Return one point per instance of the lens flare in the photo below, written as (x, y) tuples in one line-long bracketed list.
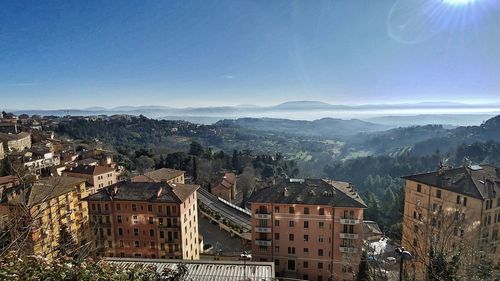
[(458, 2)]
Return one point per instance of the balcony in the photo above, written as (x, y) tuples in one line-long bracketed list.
[(263, 242), (262, 216), (263, 229), (349, 236), (350, 250), (349, 221)]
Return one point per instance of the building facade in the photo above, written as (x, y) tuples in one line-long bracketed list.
[(452, 210), (45, 207), (16, 142), (312, 229), (144, 219), (225, 187), (98, 176), (164, 175)]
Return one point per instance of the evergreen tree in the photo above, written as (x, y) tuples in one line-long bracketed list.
[(363, 271), (196, 149), (195, 169)]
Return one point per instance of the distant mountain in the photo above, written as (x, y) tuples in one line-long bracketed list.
[(431, 119), (326, 127), (305, 105)]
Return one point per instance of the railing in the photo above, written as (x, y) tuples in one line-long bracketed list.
[(349, 236), (263, 242), (349, 221), (263, 229), (351, 250)]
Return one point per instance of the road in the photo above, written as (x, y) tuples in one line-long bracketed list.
[(235, 216)]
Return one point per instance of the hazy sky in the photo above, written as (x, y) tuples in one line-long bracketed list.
[(62, 54)]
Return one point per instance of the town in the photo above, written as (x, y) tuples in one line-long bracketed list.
[(64, 198)]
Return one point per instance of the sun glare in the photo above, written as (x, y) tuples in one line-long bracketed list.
[(458, 2)]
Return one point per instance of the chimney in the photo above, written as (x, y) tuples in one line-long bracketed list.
[(160, 191)]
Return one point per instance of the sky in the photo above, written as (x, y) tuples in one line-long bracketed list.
[(77, 54)]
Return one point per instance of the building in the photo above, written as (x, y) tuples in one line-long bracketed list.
[(165, 175), (225, 187), (2, 152), (16, 142), (97, 176), (204, 270), (146, 219), (312, 229), (6, 183), (43, 207), (454, 210)]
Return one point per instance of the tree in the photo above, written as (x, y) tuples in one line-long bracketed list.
[(363, 271), (144, 163), (67, 244), (195, 169), (196, 149)]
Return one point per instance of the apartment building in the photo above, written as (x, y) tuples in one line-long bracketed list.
[(164, 175), (312, 229), (145, 219), (42, 208), (457, 210), (98, 176)]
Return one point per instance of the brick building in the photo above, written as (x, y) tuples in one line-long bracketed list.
[(144, 219), (225, 187), (312, 229), (97, 176)]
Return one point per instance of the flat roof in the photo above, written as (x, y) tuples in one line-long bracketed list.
[(205, 269)]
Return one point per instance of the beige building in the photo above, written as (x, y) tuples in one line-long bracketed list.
[(2, 153), (312, 229), (16, 142), (165, 175), (225, 187), (454, 210), (97, 176), (146, 219), (44, 207)]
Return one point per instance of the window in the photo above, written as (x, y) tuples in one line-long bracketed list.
[(306, 224), (291, 265), (120, 231), (121, 243), (151, 233), (465, 201), (321, 225), (291, 210), (291, 223), (276, 209), (305, 264), (136, 232), (136, 243), (306, 210), (306, 251), (306, 237), (277, 249), (134, 207), (321, 211), (150, 220), (320, 265), (150, 208), (276, 236), (276, 223), (118, 207), (134, 219), (438, 193), (419, 188), (119, 219), (291, 237), (291, 250), (459, 200), (320, 239), (162, 234), (320, 252)]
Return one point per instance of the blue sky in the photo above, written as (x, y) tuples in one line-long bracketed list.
[(75, 54)]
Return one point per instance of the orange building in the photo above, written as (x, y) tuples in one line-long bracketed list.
[(312, 229), (97, 176), (144, 219), (225, 187)]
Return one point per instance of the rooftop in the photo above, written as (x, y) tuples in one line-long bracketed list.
[(90, 170), (480, 182), (311, 192), (164, 174), (145, 191), (13, 137), (205, 270), (227, 180)]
